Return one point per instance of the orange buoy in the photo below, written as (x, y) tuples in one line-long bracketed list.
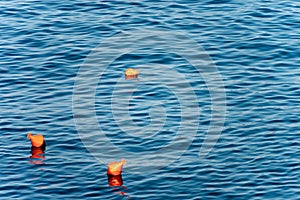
[(131, 73), (36, 140), (115, 168)]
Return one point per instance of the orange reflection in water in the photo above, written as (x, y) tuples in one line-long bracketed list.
[(37, 155), (115, 181), (131, 77)]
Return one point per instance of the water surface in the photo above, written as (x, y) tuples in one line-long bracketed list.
[(254, 44)]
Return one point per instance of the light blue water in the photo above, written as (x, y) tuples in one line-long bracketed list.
[(253, 44)]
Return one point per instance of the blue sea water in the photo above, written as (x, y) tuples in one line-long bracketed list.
[(48, 48)]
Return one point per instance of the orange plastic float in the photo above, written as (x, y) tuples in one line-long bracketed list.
[(36, 140), (38, 147), (131, 73), (115, 168)]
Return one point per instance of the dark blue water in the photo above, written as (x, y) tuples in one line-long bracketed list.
[(51, 49)]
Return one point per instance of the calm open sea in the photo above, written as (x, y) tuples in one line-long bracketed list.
[(214, 113)]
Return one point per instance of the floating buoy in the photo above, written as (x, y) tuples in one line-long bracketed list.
[(131, 73), (115, 168), (36, 140)]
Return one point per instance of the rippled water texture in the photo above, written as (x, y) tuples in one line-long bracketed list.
[(47, 45)]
